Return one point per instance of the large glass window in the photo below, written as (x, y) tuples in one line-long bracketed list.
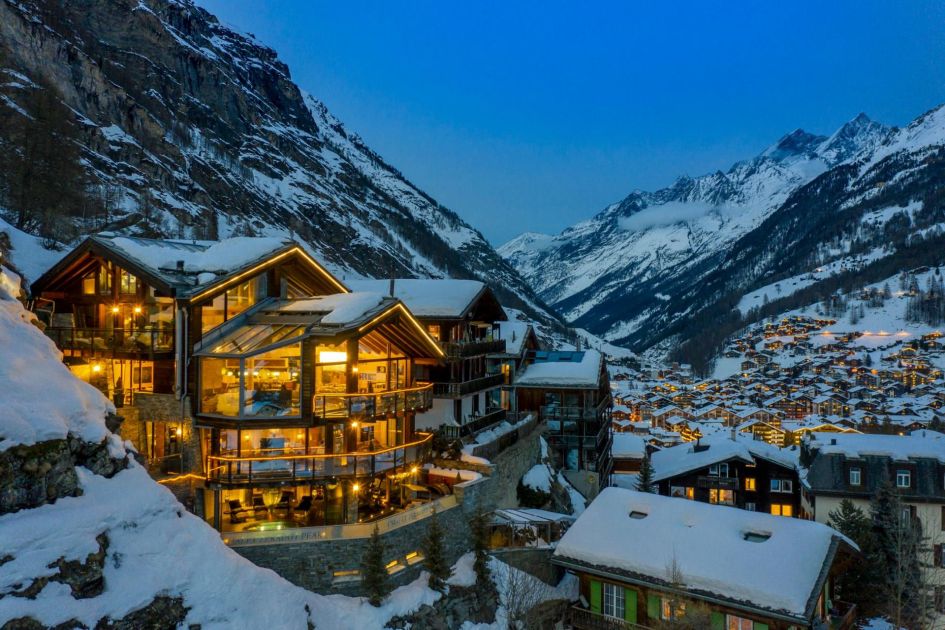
[(614, 600), (213, 313), (233, 302), (219, 386), (105, 279), (271, 383), (128, 282)]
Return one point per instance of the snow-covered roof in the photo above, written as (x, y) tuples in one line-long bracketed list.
[(427, 297), (628, 445), (339, 308), (899, 447), (683, 458), (514, 334), (563, 369), (778, 569)]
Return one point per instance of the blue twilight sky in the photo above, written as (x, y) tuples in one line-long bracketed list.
[(530, 116)]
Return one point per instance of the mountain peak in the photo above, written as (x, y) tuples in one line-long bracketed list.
[(858, 134), (796, 143)]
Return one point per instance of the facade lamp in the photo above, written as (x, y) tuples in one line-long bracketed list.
[(115, 309)]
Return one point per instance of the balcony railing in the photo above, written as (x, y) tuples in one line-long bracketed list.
[(473, 348), (371, 406), (584, 619), (101, 341), (287, 465), (455, 390), (722, 483)]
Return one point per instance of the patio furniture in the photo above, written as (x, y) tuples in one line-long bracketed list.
[(285, 501), (304, 505), (259, 505), (237, 511)]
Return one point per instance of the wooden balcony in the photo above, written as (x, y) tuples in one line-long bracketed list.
[(457, 390), (112, 342), (719, 483), (295, 465), (472, 348), (584, 619)]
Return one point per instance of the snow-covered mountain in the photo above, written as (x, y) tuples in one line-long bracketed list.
[(189, 129), (657, 268)]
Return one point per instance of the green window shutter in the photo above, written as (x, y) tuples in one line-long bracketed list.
[(630, 605), (595, 596), (759, 626), (718, 621), (653, 606)]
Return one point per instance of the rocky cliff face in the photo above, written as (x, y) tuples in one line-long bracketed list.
[(659, 269), (188, 129)]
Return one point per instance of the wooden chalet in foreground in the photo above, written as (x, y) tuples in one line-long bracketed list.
[(246, 363), (643, 559)]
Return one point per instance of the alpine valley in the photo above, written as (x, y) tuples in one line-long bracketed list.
[(677, 270)]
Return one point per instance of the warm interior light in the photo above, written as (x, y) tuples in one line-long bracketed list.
[(331, 356), (414, 469), (179, 431)]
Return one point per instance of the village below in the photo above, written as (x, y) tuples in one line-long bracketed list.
[(252, 377)]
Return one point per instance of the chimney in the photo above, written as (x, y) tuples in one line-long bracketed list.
[(180, 266), (833, 441), (391, 290)]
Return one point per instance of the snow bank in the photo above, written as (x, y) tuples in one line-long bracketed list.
[(538, 477), (31, 370)]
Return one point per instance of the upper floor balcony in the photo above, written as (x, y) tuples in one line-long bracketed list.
[(110, 342), (463, 388), (461, 349)]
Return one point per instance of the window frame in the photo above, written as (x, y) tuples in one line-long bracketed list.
[(903, 472), (613, 598), (739, 623), (855, 470)]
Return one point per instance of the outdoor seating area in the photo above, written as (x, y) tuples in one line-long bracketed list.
[(263, 509)]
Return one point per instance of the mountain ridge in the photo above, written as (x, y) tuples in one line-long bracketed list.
[(187, 128)]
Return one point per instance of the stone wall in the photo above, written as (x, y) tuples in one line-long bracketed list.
[(311, 564)]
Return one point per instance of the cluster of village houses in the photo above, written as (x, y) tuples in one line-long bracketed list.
[(291, 399)]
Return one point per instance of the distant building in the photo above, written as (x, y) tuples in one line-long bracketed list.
[(854, 466), (744, 473), (570, 391)]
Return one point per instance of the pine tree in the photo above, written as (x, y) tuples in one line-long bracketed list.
[(645, 479), (374, 576), (434, 560), (894, 558), (854, 583), (480, 539)]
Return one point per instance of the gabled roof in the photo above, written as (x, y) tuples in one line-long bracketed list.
[(687, 457), (186, 268), (749, 560), (276, 323), (435, 298)]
